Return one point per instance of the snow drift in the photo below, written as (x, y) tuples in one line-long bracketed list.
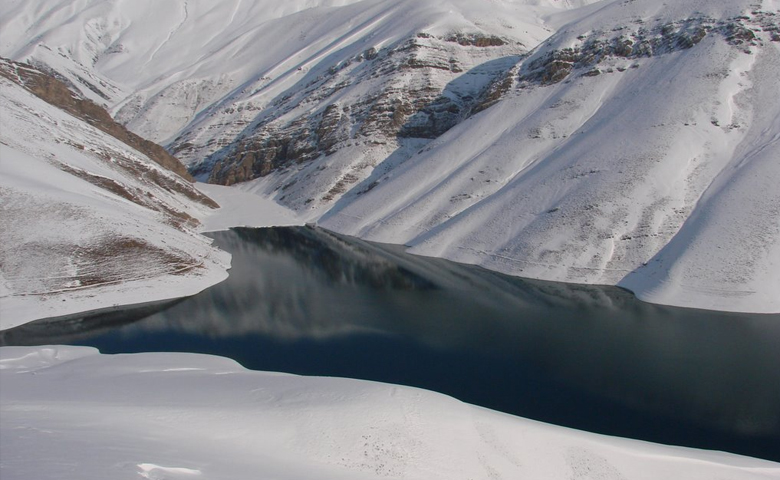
[(68, 411)]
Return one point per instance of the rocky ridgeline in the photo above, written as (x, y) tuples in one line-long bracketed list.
[(418, 88), (57, 91), (640, 41)]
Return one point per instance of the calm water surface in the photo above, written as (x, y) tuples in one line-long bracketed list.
[(305, 301)]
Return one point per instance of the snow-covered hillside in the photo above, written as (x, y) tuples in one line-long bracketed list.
[(68, 412), (628, 142), (264, 86), (87, 221), (636, 147)]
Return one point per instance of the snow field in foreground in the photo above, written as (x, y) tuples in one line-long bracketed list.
[(69, 412)]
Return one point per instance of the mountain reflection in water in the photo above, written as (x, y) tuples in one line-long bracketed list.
[(307, 301)]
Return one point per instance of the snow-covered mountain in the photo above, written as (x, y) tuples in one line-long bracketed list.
[(627, 142), (89, 216), (638, 146), (259, 87)]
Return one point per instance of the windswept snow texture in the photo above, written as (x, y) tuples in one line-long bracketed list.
[(69, 412), (86, 222)]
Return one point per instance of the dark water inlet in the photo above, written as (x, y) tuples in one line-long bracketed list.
[(305, 301)]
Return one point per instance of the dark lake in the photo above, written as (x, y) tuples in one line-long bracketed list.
[(305, 301)]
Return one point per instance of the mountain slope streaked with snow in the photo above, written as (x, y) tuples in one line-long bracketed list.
[(168, 67), (627, 142), (243, 85), (650, 171)]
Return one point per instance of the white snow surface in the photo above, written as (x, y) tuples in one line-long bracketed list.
[(69, 412), (241, 207)]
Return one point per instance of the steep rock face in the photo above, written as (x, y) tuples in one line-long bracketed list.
[(597, 52)]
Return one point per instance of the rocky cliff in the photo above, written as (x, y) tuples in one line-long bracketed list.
[(369, 105)]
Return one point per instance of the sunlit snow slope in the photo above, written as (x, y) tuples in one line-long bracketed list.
[(638, 147)]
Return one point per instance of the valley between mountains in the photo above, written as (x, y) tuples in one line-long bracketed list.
[(617, 142)]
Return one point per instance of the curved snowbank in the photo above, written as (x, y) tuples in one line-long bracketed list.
[(164, 415)]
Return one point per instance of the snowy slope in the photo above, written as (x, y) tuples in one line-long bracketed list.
[(164, 64), (88, 222), (633, 145), (69, 412), (650, 164), (650, 169), (217, 83)]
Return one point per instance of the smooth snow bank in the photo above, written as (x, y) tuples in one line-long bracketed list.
[(68, 412)]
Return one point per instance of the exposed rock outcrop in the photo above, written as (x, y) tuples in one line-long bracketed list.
[(416, 89), (637, 41)]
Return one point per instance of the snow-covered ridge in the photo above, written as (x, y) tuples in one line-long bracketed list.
[(175, 416), (202, 78), (87, 221), (163, 65)]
